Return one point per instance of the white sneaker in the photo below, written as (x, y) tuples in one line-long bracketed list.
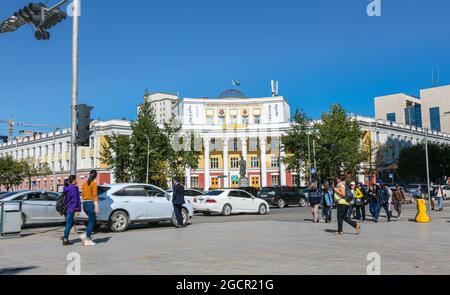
[(89, 243), (82, 237)]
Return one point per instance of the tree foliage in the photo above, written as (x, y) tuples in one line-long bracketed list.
[(295, 143), (412, 163), (339, 151), (115, 153), (11, 172)]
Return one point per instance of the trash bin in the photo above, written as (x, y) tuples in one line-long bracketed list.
[(10, 220)]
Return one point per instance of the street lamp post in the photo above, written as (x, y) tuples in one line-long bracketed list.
[(73, 151)]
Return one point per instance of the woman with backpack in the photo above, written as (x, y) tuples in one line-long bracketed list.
[(314, 198), (327, 202), (73, 203), (90, 207), (360, 203)]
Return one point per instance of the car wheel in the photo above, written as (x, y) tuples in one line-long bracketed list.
[(262, 209), (302, 202), (281, 203), (226, 210), (185, 215), (119, 221)]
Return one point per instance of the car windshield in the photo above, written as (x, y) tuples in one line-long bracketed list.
[(267, 189), (214, 193), (7, 195)]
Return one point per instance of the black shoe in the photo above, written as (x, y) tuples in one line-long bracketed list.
[(178, 226), (67, 243)]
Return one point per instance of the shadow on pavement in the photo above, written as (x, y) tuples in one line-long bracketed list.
[(16, 270), (102, 240)]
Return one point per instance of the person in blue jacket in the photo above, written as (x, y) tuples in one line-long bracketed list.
[(73, 202), (327, 202), (384, 201), (178, 201)]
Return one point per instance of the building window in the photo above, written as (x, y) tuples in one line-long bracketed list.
[(210, 120), (244, 120), (391, 117), (67, 164), (214, 163), (413, 116), (257, 120), (234, 163), (194, 182), (274, 162), (233, 120), (92, 162), (435, 119), (222, 121), (235, 144), (295, 180), (275, 179), (254, 162)]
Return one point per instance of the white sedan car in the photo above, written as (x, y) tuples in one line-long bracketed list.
[(230, 201), (122, 204)]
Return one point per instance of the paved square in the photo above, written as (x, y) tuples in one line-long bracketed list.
[(283, 242)]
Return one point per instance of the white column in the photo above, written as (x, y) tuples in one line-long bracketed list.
[(207, 164), (226, 180), (187, 174), (282, 168), (244, 148), (262, 147)]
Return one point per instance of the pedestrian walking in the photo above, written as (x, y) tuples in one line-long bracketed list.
[(433, 192), (73, 203), (178, 201), (398, 200), (373, 194), (440, 197), (327, 202), (351, 197), (384, 201), (360, 203), (314, 198), (342, 207), (90, 207)]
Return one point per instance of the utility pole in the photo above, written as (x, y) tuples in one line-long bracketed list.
[(309, 161), (428, 172), (73, 151)]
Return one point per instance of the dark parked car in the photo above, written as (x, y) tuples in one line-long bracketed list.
[(283, 196), (251, 190)]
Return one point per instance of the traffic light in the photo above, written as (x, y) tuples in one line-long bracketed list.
[(83, 124), (31, 13), (52, 18)]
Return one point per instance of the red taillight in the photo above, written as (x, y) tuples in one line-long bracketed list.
[(211, 201)]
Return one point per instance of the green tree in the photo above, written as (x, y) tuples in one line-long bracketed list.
[(412, 163), (182, 153), (11, 172), (295, 143), (31, 168), (116, 155), (160, 150), (339, 152)]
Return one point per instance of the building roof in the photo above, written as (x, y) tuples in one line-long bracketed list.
[(232, 93)]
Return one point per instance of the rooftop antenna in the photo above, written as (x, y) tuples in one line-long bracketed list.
[(274, 84), (435, 76)]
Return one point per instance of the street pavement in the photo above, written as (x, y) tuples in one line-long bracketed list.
[(283, 242)]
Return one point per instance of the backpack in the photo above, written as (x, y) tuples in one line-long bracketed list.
[(61, 204)]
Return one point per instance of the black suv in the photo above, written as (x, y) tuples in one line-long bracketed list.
[(283, 196)]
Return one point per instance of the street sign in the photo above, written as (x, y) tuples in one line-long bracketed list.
[(222, 176), (313, 171)]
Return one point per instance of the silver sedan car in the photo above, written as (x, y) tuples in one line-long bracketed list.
[(37, 206)]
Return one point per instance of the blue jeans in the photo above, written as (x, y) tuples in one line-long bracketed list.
[(327, 213), (88, 208), (70, 220), (374, 209), (440, 202)]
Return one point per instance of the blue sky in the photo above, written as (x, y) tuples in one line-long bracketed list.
[(321, 51)]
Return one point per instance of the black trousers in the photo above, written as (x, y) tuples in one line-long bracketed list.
[(385, 206), (178, 213), (342, 216), (361, 212)]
